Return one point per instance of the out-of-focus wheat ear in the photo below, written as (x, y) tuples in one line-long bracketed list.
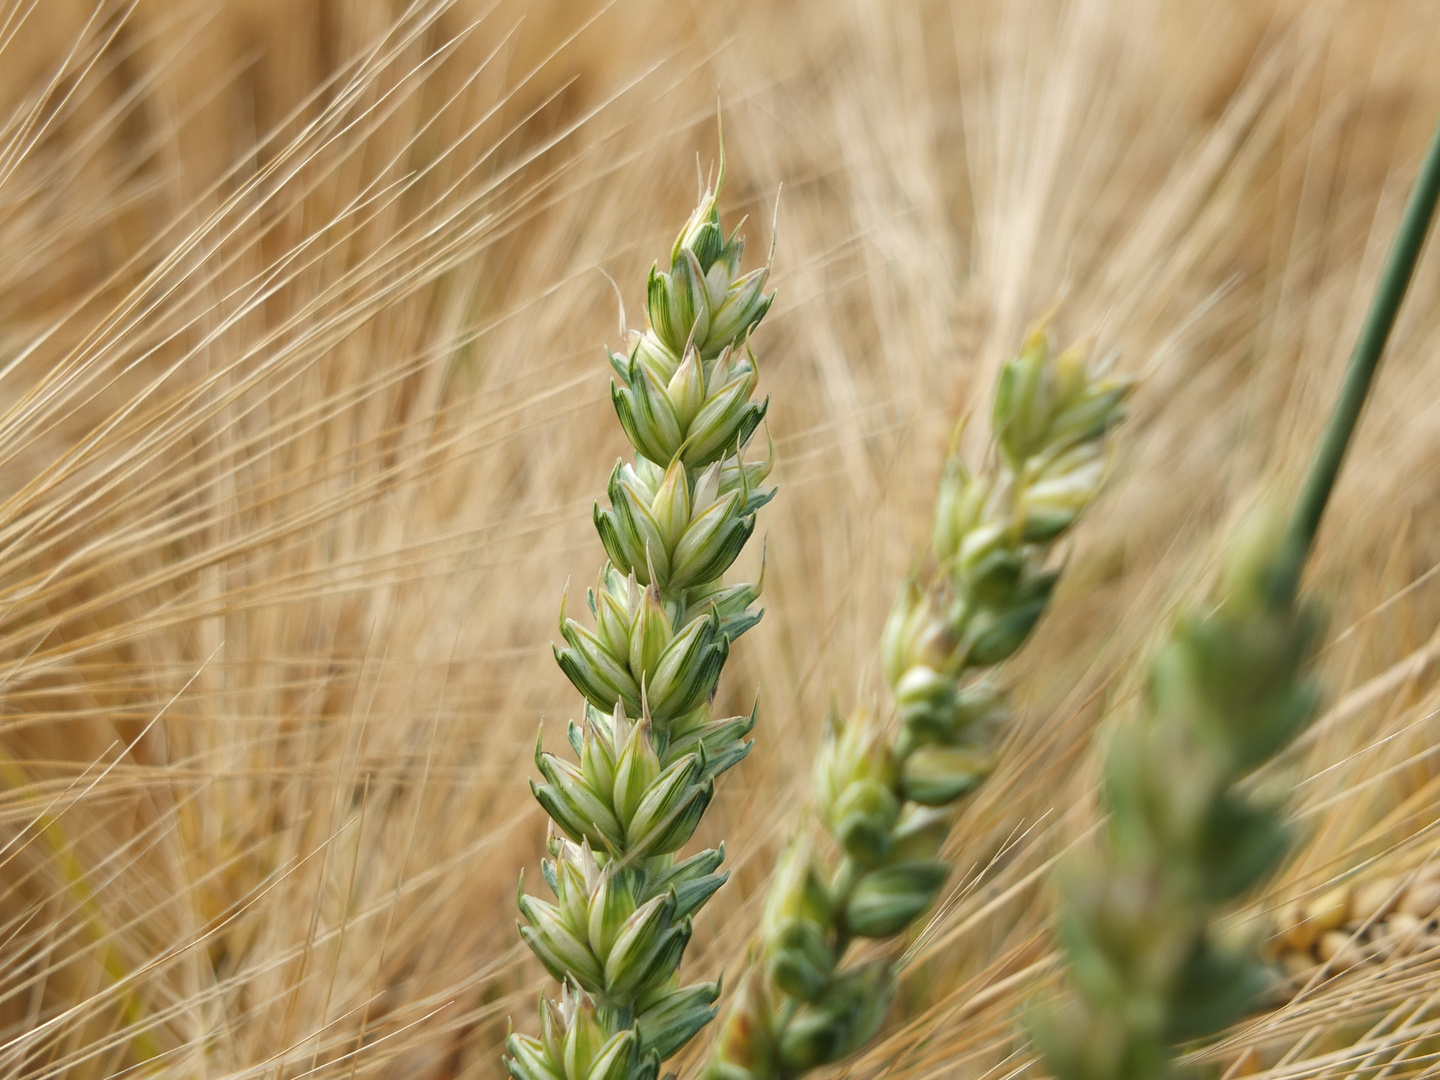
[(1150, 964), (888, 794)]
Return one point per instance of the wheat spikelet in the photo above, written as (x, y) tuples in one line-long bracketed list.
[(888, 798), (650, 748)]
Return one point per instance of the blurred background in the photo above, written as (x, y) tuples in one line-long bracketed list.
[(305, 405)]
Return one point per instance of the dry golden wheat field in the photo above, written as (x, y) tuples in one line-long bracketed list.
[(305, 406)]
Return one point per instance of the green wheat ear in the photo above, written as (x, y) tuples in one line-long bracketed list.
[(1147, 965), (648, 751), (1137, 919), (887, 794)]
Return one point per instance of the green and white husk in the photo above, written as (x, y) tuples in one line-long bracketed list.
[(887, 794), (649, 749), (1138, 921)]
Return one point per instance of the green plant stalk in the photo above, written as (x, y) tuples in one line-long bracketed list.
[(887, 795), (77, 884), (1369, 347), (1230, 690), (648, 751)]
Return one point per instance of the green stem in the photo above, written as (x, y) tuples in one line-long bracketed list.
[(1305, 521), (77, 883)]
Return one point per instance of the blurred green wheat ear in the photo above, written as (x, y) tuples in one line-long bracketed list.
[(889, 790), (1227, 693)]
